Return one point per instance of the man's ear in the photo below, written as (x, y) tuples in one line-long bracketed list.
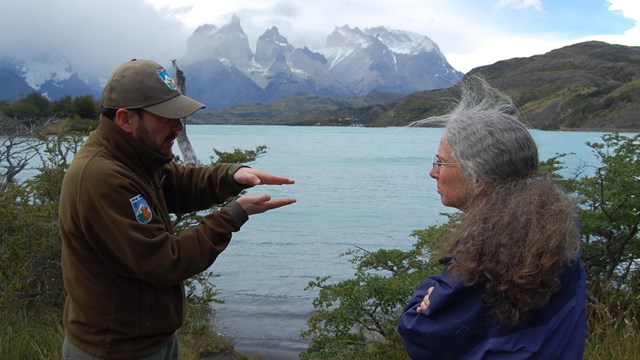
[(124, 119)]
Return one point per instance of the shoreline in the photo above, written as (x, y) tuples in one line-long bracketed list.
[(259, 352)]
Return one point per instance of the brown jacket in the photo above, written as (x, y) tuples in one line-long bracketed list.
[(122, 264)]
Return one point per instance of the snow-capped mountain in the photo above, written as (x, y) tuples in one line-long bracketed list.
[(221, 70), (354, 62), (387, 60), (49, 74)]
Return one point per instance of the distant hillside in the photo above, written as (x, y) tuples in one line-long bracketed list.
[(591, 85), (305, 109), (585, 86)]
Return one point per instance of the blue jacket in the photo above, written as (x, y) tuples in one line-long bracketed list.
[(457, 325)]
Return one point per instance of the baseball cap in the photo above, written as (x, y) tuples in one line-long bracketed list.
[(146, 84)]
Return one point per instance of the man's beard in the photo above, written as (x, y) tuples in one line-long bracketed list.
[(142, 135)]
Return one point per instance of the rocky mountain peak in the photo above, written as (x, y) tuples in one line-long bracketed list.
[(270, 46), (403, 42), (347, 37), (228, 43), (233, 27)]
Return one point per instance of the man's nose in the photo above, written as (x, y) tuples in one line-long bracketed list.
[(178, 125)]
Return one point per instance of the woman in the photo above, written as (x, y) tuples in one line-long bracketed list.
[(513, 284)]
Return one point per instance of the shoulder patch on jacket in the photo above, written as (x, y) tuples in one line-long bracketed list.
[(141, 209)]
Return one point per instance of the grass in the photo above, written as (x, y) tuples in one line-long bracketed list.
[(36, 335), (39, 335), (610, 337), (203, 342), (621, 342)]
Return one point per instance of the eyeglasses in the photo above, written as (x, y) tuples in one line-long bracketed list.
[(437, 162)]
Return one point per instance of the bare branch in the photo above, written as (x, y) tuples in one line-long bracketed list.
[(183, 141)]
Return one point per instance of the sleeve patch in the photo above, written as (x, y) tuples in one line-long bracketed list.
[(141, 209)]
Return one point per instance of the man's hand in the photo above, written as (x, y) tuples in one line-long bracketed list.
[(249, 176), (256, 204)]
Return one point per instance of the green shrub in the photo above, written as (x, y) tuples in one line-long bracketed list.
[(356, 318)]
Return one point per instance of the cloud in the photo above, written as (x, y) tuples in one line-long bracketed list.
[(520, 4), (94, 35), (487, 45), (631, 10), (98, 35), (628, 8)]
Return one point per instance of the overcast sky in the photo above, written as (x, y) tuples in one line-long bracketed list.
[(97, 35)]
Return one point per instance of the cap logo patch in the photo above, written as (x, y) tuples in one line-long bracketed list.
[(141, 209), (166, 78)]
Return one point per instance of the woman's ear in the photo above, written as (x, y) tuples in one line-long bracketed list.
[(124, 119), (478, 186)]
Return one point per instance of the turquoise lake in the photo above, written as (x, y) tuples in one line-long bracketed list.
[(364, 187)]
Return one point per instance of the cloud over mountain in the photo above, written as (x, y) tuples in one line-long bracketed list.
[(222, 70)]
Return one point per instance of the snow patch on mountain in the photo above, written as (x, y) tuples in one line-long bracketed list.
[(38, 70), (344, 41), (336, 54), (402, 42)]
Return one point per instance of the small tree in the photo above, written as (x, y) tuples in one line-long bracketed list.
[(63, 107), (357, 318), (30, 109), (610, 216), (85, 107), (16, 152), (30, 241)]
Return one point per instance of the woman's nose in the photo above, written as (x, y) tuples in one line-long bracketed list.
[(434, 172)]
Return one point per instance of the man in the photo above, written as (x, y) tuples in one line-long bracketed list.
[(123, 265)]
